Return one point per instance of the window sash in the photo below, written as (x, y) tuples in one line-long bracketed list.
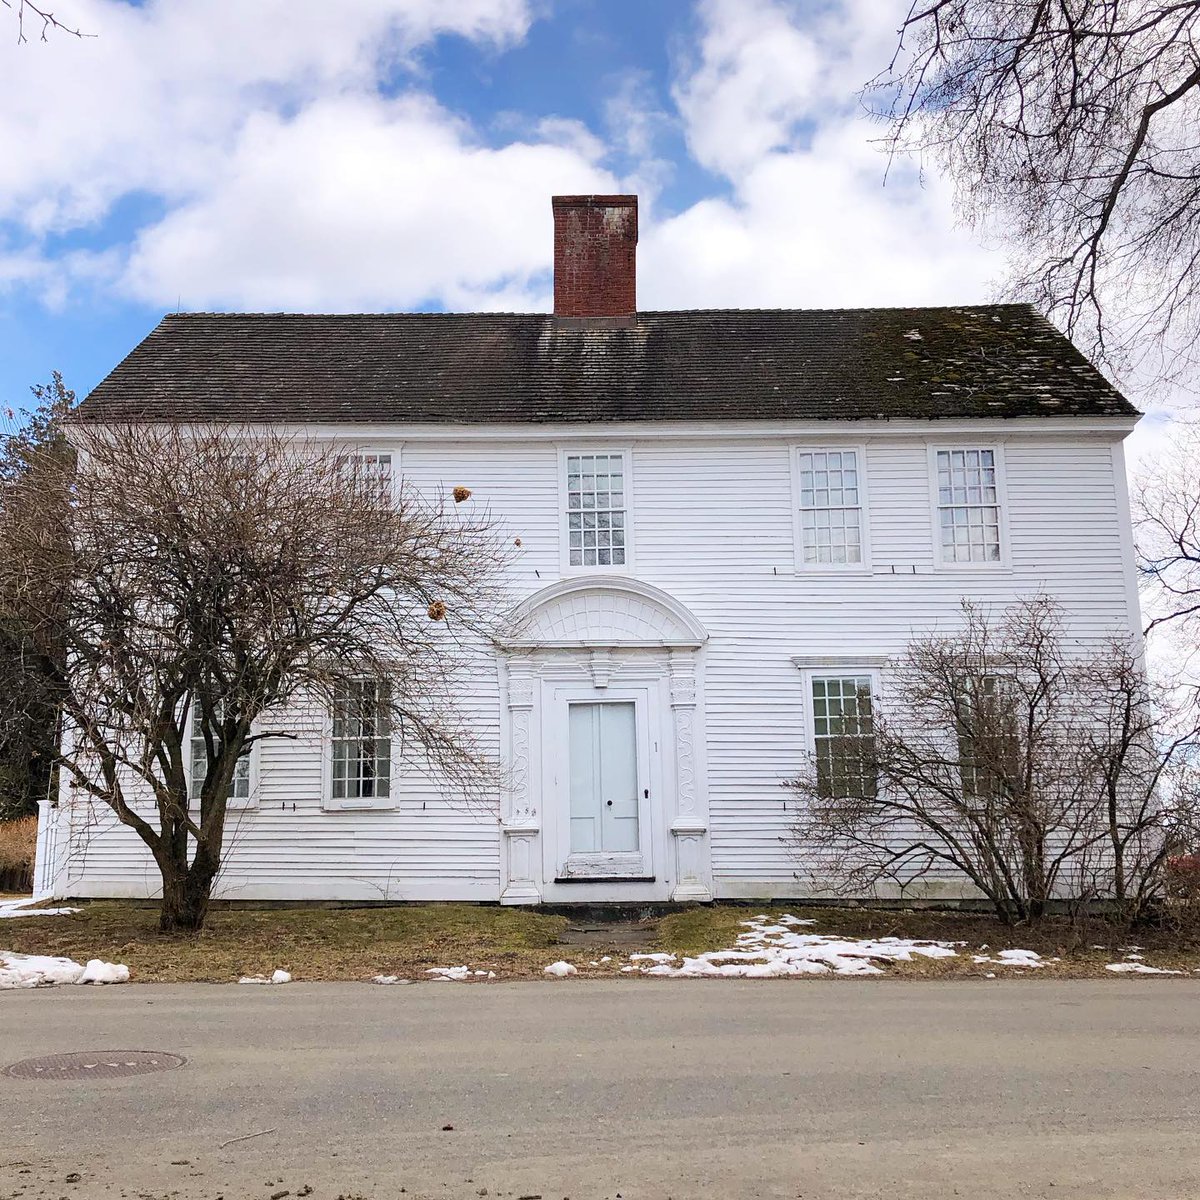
[(595, 510), (829, 485), (989, 744), (239, 786), (843, 715), (361, 741), (968, 493)]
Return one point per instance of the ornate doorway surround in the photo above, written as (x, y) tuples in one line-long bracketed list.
[(603, 638)]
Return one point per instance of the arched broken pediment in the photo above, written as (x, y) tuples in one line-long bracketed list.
[(610, 611)]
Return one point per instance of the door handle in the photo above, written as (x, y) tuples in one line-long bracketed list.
[(609, 803)]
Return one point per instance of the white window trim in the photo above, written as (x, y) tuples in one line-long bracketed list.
[(864, 507), (1004, 563), (836, 669), (351, 803), (232, 804), (564, 541)]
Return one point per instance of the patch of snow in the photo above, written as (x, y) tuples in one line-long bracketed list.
[(914, 335), (606, 958), (23, 908), (39, 970), (389, 980), (561, 969), (274, 977), (1139, 968), (453, 974), (1013, 958), (774, 950)]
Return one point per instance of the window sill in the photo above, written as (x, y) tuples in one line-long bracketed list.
[(353, 806)]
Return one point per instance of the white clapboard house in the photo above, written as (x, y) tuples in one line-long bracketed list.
[(729, 520)]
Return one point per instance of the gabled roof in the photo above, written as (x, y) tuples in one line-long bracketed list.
[(892, 363)]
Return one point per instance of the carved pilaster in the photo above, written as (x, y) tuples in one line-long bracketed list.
[(521, 827), (689, 828)]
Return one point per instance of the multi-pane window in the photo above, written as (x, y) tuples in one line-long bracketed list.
[(596, 510), (989, 744), (362, 741), (372, 470), (830, 507), (968, 506), (844, 730), (239, 788)]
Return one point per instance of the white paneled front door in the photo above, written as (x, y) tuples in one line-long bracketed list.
[(601, 767), (603, 777)]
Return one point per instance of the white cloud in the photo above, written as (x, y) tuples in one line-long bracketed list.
[(154, 101), (770, 102), (363, 203)]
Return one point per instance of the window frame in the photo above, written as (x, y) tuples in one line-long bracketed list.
[(564, 538), (329, 802), (847, 669), (940, 562), (232, 803), (378, 450), (864, 522)]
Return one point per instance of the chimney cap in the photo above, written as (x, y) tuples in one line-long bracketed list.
[(596, 201)]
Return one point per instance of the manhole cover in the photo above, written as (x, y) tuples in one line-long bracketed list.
[(94, 1064)]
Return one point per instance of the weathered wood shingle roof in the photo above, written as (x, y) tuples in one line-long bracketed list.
[(924, 363)]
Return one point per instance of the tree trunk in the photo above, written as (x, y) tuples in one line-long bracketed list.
[(187, 890)]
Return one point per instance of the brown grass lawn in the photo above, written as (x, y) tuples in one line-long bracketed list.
[(357, 943)]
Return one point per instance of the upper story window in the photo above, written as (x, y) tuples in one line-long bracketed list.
[(968, 506), (371, 469), (830, 498), (361, 743), (596, 496), (239, 788), (844, 735)]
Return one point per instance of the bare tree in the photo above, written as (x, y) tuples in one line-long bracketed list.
[(28, 735), (1072, 126), (183, 587), (40, 18), (1035, 769), (1166, 509)]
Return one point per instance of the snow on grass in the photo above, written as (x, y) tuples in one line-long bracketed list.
[(23, 908), (274, 977), (38, 970), (563, 969), (1139, 968), (774, 950), (1012, 958), (448, 975)]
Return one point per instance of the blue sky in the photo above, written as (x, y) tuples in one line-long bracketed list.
[(400, 154)]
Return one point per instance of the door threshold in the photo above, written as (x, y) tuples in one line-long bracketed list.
[(605, 879)]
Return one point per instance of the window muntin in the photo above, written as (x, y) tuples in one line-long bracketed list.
[(596, 494), (361, 741), (968, 505), (239, 787), (830, 498), (844, 735)]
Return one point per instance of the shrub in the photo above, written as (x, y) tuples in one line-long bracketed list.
[(18, 842)]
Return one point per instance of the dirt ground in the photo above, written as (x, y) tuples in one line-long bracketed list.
[(322, 943)]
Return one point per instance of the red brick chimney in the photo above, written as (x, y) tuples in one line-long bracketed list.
[(595, 256)]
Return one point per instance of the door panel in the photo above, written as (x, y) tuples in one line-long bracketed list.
[(602, 748)]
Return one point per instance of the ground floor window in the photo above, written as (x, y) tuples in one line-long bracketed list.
[(362, 742), (843, 734)]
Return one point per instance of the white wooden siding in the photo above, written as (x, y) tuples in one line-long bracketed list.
[(713, 526)]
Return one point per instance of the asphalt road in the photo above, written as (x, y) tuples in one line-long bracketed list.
[(635, 1088)]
